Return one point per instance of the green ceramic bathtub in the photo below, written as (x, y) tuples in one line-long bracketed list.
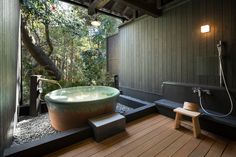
[(72, 107)]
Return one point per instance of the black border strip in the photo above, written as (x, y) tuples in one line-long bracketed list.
[(49, 144), (58, 141)]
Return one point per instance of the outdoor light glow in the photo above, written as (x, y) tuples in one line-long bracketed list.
[(96, 23), (205, 29)]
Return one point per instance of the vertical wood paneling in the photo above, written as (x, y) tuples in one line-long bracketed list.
[(178, 45), (164, 46), (168, 48), (218, 19), (210, 50), (233, 43), (158, 77), (190, 59), (195, 29), (171, 47), (9, 32), (113, 54), (227, 28), (202, 43), (183, 35)]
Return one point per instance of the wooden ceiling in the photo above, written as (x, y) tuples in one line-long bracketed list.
[(123, 9)]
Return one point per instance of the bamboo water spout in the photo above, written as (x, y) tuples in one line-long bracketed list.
[(50, 81), (35, 92)]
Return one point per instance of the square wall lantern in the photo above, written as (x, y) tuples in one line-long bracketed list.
[(205, 28)]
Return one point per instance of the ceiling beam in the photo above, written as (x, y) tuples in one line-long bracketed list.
[(147, 8), (101, 11), (125, 10), (96, 4), (114, 5), (135, 14), (173, 4)]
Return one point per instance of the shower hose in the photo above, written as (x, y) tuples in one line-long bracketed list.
[(227, 90)]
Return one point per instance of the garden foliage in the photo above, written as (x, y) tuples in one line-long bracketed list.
[(64, 33)]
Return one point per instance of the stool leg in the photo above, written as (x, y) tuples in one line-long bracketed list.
[(178, 117), (196, 127)]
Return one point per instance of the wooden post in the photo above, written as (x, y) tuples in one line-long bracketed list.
[(35, 86), (116, 81)]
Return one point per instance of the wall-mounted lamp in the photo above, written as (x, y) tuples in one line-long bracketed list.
[(205, 28)]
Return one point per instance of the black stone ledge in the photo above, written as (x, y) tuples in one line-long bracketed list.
[(140, 94), (132, 102), (49, 144), (54, 142), (140, 112)]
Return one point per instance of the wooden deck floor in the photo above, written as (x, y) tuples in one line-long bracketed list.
[(150, 136)]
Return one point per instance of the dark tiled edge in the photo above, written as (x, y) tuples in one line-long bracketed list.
[(49, 144), (55, 142), (132, 102), (140, 112), (143, 95)]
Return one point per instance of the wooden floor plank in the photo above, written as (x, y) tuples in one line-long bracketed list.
[(149, 144), (123, 140), (153, 135), (131, 146), (203, 148), (218, 147), (171, 149), (82, 145), (134, 126), (188, 147), (140, 122), (162, 145), (230, 150)]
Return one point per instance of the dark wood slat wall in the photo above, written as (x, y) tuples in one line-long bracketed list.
[(9, 40), (113, 54), (233, 46), (171, 47)]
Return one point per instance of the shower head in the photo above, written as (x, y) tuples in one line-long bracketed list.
[(219, 46)]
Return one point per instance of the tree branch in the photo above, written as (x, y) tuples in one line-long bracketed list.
[(38, 54), (48, 39)]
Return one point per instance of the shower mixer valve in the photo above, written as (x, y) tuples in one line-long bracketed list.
[(200, 91)]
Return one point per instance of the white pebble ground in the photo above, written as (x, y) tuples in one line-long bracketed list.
[(30, 129)]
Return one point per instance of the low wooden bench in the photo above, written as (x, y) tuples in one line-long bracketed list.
[(195, 121), (107, 125)]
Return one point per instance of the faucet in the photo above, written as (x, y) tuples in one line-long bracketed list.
[(199, 91), (208, 92)]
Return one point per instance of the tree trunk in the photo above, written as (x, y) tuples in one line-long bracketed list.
[(48, 39), (38, 54)]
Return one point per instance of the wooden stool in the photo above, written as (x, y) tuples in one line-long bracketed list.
[(195, 122)]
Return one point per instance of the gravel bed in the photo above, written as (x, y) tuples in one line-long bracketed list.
[(31, 129), (122, 109)]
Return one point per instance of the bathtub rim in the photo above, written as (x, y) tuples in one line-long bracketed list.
[(61, 102)]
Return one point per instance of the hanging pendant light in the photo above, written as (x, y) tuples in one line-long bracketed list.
[(95, 23)]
